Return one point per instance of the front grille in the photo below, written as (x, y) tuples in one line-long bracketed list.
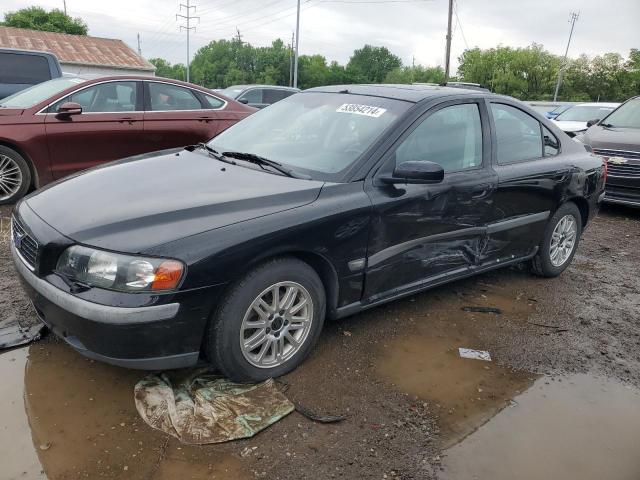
[(624, 169), (604, 152), (25, 244)]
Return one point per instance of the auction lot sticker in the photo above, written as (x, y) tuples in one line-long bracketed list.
[(365, 110)]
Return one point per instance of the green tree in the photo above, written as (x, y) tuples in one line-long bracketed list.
[(167, 70), (372, 64), (37, 18)]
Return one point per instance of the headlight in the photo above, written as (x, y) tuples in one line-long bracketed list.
[(115, 271)]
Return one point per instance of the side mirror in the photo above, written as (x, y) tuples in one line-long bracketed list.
[(69, 108), (591, 123), (416, 172), (244, 100)]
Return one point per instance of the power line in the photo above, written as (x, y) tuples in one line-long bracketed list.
[(455, 10), (188, 17)]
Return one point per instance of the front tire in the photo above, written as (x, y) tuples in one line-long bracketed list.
[(15, 176), (560, 242), (268, 322)]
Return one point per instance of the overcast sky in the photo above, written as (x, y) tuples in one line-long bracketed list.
[(334, 28)]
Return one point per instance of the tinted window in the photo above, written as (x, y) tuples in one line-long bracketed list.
[(213, 102), (451, 137), (252, 96), (104, 98), (172, 97), (18, 68), (273, 95), (551, 143), (517, 134)]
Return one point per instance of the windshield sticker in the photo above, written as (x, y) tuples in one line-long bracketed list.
[(365, 110)]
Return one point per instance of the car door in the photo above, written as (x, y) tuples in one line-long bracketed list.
[(108, 128), (176, 116), (423, 234), (531, 175)]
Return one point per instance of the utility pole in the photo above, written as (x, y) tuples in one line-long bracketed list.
[(64, 2), (139, 48), (295, 59), (188, 17), (293, 36), (573, 20), (447, 59)]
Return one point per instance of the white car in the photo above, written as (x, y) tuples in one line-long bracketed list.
[(574, 120)]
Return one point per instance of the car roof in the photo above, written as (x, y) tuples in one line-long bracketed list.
[(244, 87), (408, 93), (597, 104)]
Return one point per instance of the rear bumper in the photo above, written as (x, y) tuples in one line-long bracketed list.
[(154, 337)]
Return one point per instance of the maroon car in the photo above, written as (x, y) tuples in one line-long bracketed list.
[(68, 124)]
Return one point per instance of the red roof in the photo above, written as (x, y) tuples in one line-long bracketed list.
[(77, 49)]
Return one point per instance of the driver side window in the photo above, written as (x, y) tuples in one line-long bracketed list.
[(450, 137)]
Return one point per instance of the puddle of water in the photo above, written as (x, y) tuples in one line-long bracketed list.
[(580, 427), (85, 411), (425, 362), (465, 392), (19, 459)]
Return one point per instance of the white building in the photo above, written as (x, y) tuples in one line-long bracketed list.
[(80, 53)]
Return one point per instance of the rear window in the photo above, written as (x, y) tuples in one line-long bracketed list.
[(273, 95), (23, 69)]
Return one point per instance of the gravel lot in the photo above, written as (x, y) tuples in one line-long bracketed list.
[(394, 372)]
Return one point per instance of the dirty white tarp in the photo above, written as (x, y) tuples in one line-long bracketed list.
[(205, 408)]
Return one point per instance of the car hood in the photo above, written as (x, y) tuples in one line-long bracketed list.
[(570, 126), (613, 138), (144, 201)]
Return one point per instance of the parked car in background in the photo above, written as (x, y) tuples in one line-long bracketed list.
[(557, 111), (258, 96), (68, 124), (616, 138), (327, 203), (574, 120), (20, 69)]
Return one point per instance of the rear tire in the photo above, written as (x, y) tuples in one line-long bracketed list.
[(249, 339), (15, 176), (561, 238)]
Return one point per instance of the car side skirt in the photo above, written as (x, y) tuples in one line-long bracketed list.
[(431, 282)]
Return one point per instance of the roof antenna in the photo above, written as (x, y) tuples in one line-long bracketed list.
[(344, 91)]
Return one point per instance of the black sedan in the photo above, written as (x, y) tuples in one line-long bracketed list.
[(329, 202)]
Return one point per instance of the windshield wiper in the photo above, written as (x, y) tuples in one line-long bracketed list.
[(606, 125), (258, 160), (214, 153)]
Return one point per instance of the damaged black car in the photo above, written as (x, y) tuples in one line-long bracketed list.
[(332, 201)]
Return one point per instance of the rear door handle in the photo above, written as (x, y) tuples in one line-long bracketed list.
[(127, 119)]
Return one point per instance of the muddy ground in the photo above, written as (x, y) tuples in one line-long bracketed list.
[(558, 400)]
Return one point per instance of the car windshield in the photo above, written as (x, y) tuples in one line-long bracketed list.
[(627, 116), (319, 134), (584, 113), (38, 93), (232, 92)]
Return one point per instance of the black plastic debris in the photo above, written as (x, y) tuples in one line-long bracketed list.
[(497, 311)]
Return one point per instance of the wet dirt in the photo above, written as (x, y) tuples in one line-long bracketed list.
[(393, 371), (575, 427)]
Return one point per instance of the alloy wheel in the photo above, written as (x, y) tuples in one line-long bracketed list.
[(276, 324), (10, 177), (563, 240)]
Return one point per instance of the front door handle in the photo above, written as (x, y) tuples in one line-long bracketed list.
[(481, 191), (130, 120)]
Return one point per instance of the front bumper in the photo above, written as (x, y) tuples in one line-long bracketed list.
[(154, 337), (623, 190)]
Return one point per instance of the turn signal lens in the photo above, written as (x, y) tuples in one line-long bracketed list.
[(168, 275)]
